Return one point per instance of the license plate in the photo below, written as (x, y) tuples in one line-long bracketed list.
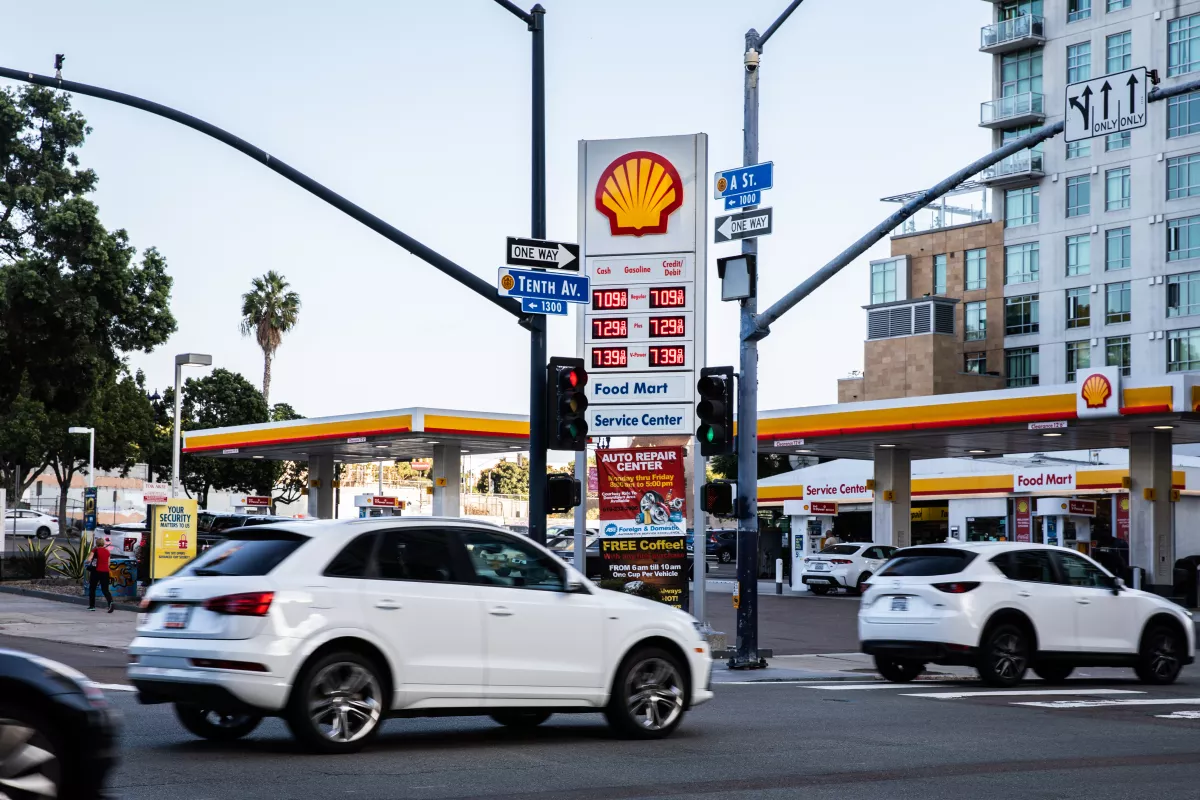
[(818, 567), (899, 604), (177, 617)]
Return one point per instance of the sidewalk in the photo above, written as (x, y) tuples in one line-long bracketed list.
[(56, 621)]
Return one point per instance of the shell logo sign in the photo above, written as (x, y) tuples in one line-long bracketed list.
[(1022, 506), (638, 192), (1096, 390)]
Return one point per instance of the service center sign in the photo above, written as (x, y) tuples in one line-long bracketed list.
[(642, 491)]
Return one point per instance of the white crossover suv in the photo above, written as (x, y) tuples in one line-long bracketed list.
[(845, 566), (336, 625), (1007, 607)]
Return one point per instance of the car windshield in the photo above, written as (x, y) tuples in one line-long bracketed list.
[(250, 551), (841, 550), (925, 561)]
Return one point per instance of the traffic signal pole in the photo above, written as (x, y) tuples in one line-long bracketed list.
[(537, 326)]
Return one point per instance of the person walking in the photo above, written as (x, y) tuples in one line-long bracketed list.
[(99, 574)]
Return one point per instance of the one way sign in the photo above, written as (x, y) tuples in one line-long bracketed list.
[(1111, 104), (746, 225), (541, 254)]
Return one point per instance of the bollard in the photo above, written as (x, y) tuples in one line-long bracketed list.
[(1137, 578), (779, 576)]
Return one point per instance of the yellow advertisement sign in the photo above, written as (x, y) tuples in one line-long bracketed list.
[(173, 531), (931, 514)]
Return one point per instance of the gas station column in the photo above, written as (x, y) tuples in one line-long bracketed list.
[(320, 487), (891, 514), (447, 471), (1151, 534)]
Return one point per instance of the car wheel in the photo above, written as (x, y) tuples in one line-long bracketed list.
[(1161, 655), (43, 533), (1004, 655), (1053, 672), (898, 670), (337, 704), (648, 694), (725, 556), (216, 726), (33, 761), (818, 589), (862, 579), (524, 718)]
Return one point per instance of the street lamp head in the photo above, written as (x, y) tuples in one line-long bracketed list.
[(77, 429), (193, 360)]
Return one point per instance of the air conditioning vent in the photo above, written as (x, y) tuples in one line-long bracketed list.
[(921, 318), (943, 318), (877, 324), (901, 321)]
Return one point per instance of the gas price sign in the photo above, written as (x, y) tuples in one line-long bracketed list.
[(640, 327)]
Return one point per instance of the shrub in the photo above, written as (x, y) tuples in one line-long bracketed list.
[(72, 561), (33, 557)]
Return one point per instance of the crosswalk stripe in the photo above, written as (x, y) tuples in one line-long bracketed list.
[(1180, 715), (1148, 701), (1022, 692)]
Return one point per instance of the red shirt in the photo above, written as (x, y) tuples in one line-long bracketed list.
[(102, 555)]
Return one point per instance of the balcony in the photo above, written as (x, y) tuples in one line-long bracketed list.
[(1012, 111), (1018, 168), (1017, 33)]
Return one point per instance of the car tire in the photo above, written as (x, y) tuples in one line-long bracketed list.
[(649, 695), (725, 557), (1160, 657), (337, 703), (858, 585), (819, 589), (1053, 672), (1004, 655), (43, 533), (216, 726), (24, 731), (520, 718), (898, 670)]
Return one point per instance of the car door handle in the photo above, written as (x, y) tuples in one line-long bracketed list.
[(1083, 601), (1023, 594), (388, 605), (500, 611)]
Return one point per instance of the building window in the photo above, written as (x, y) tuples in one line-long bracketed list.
[(1118, 52), (1183, 45), (1079, 62), (1079, 195), (1020, 315), (976, 321), (1183, 176), (1021, 263), (1021, 72), (1183, 294), (1021, 366), (1079, 254), (1021, 207), (1183, 350), (1079, 149), (976, 269), (883, 282), (1116, 303), (1079, 356), (1183, 115), (1078, 9), (939, 274), (975, 363), (1118, 248), (1117, 5), (1117, 188), (1079, 307), (1183, 238), (1116, 353), (1116, 141)]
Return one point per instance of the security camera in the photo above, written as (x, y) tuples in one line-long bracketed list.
[(751, 60)]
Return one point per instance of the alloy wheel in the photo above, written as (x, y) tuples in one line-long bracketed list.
[(344, 702), (654, 690), (29, 767), (1164, 656), (1008, 656)]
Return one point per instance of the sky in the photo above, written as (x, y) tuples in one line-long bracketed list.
[(419, 112)]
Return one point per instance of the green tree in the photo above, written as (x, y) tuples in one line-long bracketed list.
[(269, 311), (22, 443), (72, 298), (506, 477)]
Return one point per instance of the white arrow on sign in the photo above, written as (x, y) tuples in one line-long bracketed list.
[(726, 227), (745, 225)]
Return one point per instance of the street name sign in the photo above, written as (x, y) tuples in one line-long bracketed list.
[(534, 306), (543, 285), (745, 225), (541, 254), (743, 180), (734, 202), (1110, 104)]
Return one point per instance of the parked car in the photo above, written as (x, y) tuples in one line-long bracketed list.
[(722, 544), (1006, 607), (57, 730), (521, 529), (221, 524), (336, 625), (129, 537), (29, 522), (843, 566)]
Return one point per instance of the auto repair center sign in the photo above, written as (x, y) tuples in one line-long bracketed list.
[(642, 491)]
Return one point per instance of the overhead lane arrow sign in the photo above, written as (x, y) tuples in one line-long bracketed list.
[(1113, 112), (1104, 90), (1132, 84), (541, 254), (1085, 107), (747, 225)]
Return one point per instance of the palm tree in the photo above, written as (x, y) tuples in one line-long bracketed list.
[(269, 311)]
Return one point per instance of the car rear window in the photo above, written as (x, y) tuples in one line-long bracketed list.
[(249, 551), (928, 561), (841, 549)]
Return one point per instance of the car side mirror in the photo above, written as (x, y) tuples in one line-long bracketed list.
[(1117, 585), (573, 585)]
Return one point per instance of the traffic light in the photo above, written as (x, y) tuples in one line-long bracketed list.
[(566, 429), (562, 493), (715, 411), (717, 498)]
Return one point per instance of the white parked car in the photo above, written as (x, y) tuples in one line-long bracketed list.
[(846, 566), (1005, 607), (27, 522), (336, 625)]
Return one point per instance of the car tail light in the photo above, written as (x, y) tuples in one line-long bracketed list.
[(146, 604), (958, 587), (840, 561), (248, 604)]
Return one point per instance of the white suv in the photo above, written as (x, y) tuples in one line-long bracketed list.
[(336, 625), (848, 566), (1006, 607)]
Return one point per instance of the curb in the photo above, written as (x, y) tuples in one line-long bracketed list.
[(62, 598)]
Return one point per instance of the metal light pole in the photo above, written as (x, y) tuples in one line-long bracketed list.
[(182, 360), (91, 451)]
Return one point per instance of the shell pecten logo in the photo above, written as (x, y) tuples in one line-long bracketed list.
[(1095, 391), (638, 192), (1022, 506)]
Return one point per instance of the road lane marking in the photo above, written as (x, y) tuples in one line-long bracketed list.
[(837, 687), (1026, 692), (1180, 715), (1149, 701), (114, 687)]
